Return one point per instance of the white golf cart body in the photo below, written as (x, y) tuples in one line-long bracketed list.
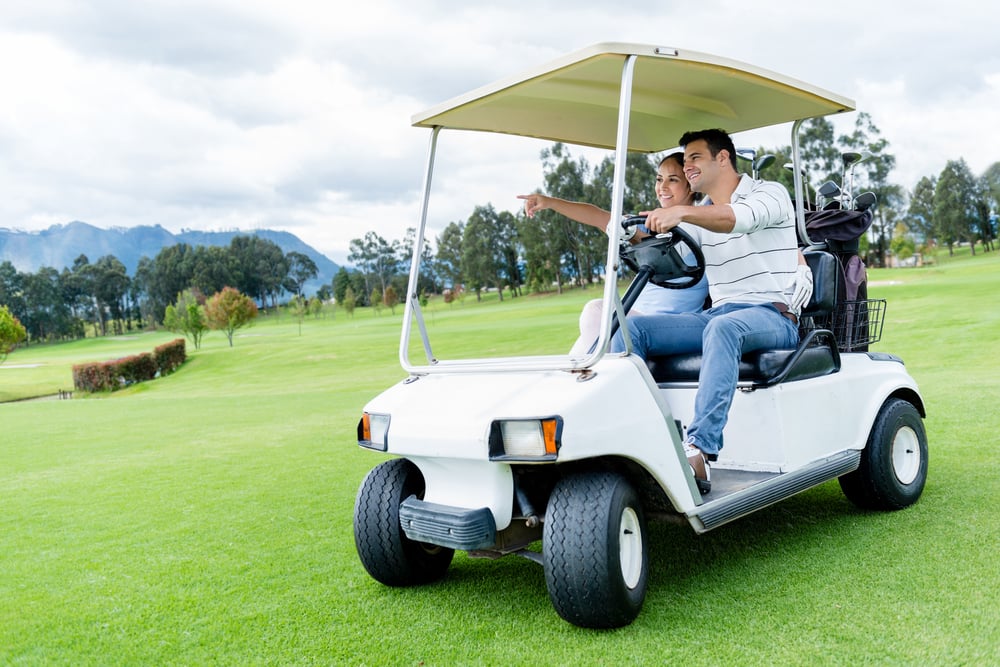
[(491, 437)]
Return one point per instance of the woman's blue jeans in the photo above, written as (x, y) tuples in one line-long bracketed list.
[(722, 335)]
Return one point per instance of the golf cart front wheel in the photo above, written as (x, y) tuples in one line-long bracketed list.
[(595, 550), (893, 468), (389, 556)]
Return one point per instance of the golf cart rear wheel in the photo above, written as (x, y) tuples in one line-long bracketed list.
[(893, 466), (595, 550), (389, 556)]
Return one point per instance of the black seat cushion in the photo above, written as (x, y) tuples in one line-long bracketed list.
[(815, 356)]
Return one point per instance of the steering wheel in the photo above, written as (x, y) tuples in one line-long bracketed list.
[(661, 255)]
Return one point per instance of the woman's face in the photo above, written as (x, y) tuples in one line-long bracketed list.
[(672, 188)]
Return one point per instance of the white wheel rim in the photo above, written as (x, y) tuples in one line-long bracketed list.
[(906, 455), (630, 547)]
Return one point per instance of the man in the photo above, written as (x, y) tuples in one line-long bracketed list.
[(747, 233)]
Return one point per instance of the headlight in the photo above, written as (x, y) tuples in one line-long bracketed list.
[(526, 439), (373, 431)]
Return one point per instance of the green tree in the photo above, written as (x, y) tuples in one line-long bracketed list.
[(428, 280), (47, 317), (315, 306), (377, 259), (391, 299), (349, 301), (990, 181), (228, 311), (111, 284), (261, 268), (990, 184), (983, 207), (301, 269), (540, 271), (482, 264), (77, 286), (212, 268), (299, 308), (874, 175), (140, 282), (187, 316), (12, 289), (920, 215), (167, 275), (509, 251), (902, 246), (818, 152), (954, 214), (561, 239), (12, 332), (341, 283), (449, 254), (375, 299)]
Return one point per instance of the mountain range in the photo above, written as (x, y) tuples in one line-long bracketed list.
[(59, 245)]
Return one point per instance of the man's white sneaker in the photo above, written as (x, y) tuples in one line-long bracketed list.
[(699, 467)]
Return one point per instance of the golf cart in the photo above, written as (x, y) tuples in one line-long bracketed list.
[(493, 455)]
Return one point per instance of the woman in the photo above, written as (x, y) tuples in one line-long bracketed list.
[(672, 189)]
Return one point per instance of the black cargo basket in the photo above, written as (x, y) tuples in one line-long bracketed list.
[(855, 324)]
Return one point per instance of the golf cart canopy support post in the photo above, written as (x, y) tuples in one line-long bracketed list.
[(621, 97)]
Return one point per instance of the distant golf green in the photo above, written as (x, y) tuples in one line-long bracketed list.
[(204, 518)]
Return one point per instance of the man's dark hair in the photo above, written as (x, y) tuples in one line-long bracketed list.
[(716, 139)]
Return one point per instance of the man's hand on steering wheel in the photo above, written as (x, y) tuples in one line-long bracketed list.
[(661, 220), (660, 255)]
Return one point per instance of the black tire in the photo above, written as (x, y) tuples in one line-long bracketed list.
[(595, 550), (389, 556), (893, 468)]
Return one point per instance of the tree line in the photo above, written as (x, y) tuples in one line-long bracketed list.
[(61, 305), (502, 251), (491, 250)]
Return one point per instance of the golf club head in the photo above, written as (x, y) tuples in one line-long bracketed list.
[(830, 190), (865, 201), (762, 162), (746, 153), (850, 157)]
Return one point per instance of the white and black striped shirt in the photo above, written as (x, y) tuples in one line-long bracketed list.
[(756, 262)]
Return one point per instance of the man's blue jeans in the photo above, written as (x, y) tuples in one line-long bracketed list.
[(722, 335)]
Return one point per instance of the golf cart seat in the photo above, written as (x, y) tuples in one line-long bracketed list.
[(816, 355)]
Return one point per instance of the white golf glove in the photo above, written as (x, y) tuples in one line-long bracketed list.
[(626, 234), (802, 289)]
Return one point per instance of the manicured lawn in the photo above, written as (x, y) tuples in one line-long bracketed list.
[(205, 517)]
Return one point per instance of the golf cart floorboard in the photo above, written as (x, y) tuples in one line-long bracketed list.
[(725, 482), (736, 493)]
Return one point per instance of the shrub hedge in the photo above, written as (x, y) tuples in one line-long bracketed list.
[(113, 375), (170, 356)]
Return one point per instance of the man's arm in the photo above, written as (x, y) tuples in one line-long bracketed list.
[(713, 217)]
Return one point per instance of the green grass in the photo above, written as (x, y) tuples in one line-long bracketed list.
[(205, 517)]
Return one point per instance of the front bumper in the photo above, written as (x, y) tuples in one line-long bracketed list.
[(446, 526)]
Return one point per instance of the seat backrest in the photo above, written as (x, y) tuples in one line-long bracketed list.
[(828, 283)]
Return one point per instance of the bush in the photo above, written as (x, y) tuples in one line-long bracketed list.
[(12, 332), (94, 377), (137, 368), (170, 356), (113, 375)]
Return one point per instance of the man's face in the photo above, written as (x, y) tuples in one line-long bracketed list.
[(700, 168)]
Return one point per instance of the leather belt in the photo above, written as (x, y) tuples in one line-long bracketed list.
[(783, 309)]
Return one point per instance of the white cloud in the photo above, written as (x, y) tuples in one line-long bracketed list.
[(251, 113)]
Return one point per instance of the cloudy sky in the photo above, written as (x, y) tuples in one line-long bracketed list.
[(295, 114)]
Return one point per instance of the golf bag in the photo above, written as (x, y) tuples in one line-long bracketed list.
[(856, 320)]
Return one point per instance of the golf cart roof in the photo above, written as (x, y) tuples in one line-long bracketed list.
[(575, 99)]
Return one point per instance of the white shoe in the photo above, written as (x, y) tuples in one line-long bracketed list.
[(699, 467)]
